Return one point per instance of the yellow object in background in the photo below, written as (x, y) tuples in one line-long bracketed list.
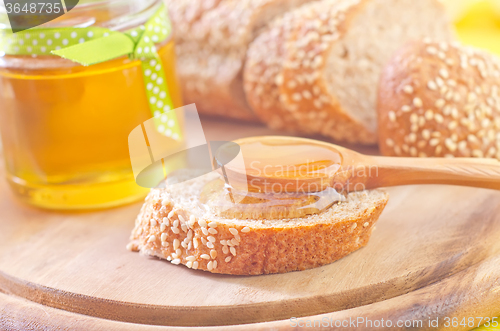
[(65, 131), (478, 23)]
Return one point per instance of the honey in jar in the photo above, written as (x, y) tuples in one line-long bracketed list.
[(65, 126)]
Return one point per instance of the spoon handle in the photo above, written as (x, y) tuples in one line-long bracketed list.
[(391, 171)]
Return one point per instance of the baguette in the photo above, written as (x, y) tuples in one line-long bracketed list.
[(211, 44), (440, 99), (172, 226), (316, 69)]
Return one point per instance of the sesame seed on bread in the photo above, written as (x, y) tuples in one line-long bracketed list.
[(173, 226), (440, 99), (316, 69), (211, 45), (185, 13)]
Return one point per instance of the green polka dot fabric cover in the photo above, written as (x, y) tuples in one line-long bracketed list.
[(92, 45)]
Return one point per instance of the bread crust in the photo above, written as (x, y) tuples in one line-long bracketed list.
[(253, 247), (186, 13), (440, 99), (211, 50), (206, 74)]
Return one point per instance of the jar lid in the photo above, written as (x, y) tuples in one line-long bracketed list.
[(112, 14)]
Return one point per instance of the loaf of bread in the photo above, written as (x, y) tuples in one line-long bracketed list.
[(173, 226), (440, 99), (316, 69), (212, 37)]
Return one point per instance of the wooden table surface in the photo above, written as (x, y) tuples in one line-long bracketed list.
[(434, 254)]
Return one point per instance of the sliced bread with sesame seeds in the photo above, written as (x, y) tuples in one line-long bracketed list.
[(317, 68), (185, 13), (173, 226), (211, 45), (440, 99)]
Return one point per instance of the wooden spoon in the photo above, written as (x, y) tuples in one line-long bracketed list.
[(288, 164)]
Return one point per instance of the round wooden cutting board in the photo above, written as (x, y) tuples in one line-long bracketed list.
[(435, 253)]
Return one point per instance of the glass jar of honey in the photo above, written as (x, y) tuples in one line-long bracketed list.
[(64, 126)]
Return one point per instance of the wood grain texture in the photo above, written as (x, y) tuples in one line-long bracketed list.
[(435, 252), (480, 298)]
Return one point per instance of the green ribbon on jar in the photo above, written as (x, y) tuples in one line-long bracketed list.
[(92, 45)]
